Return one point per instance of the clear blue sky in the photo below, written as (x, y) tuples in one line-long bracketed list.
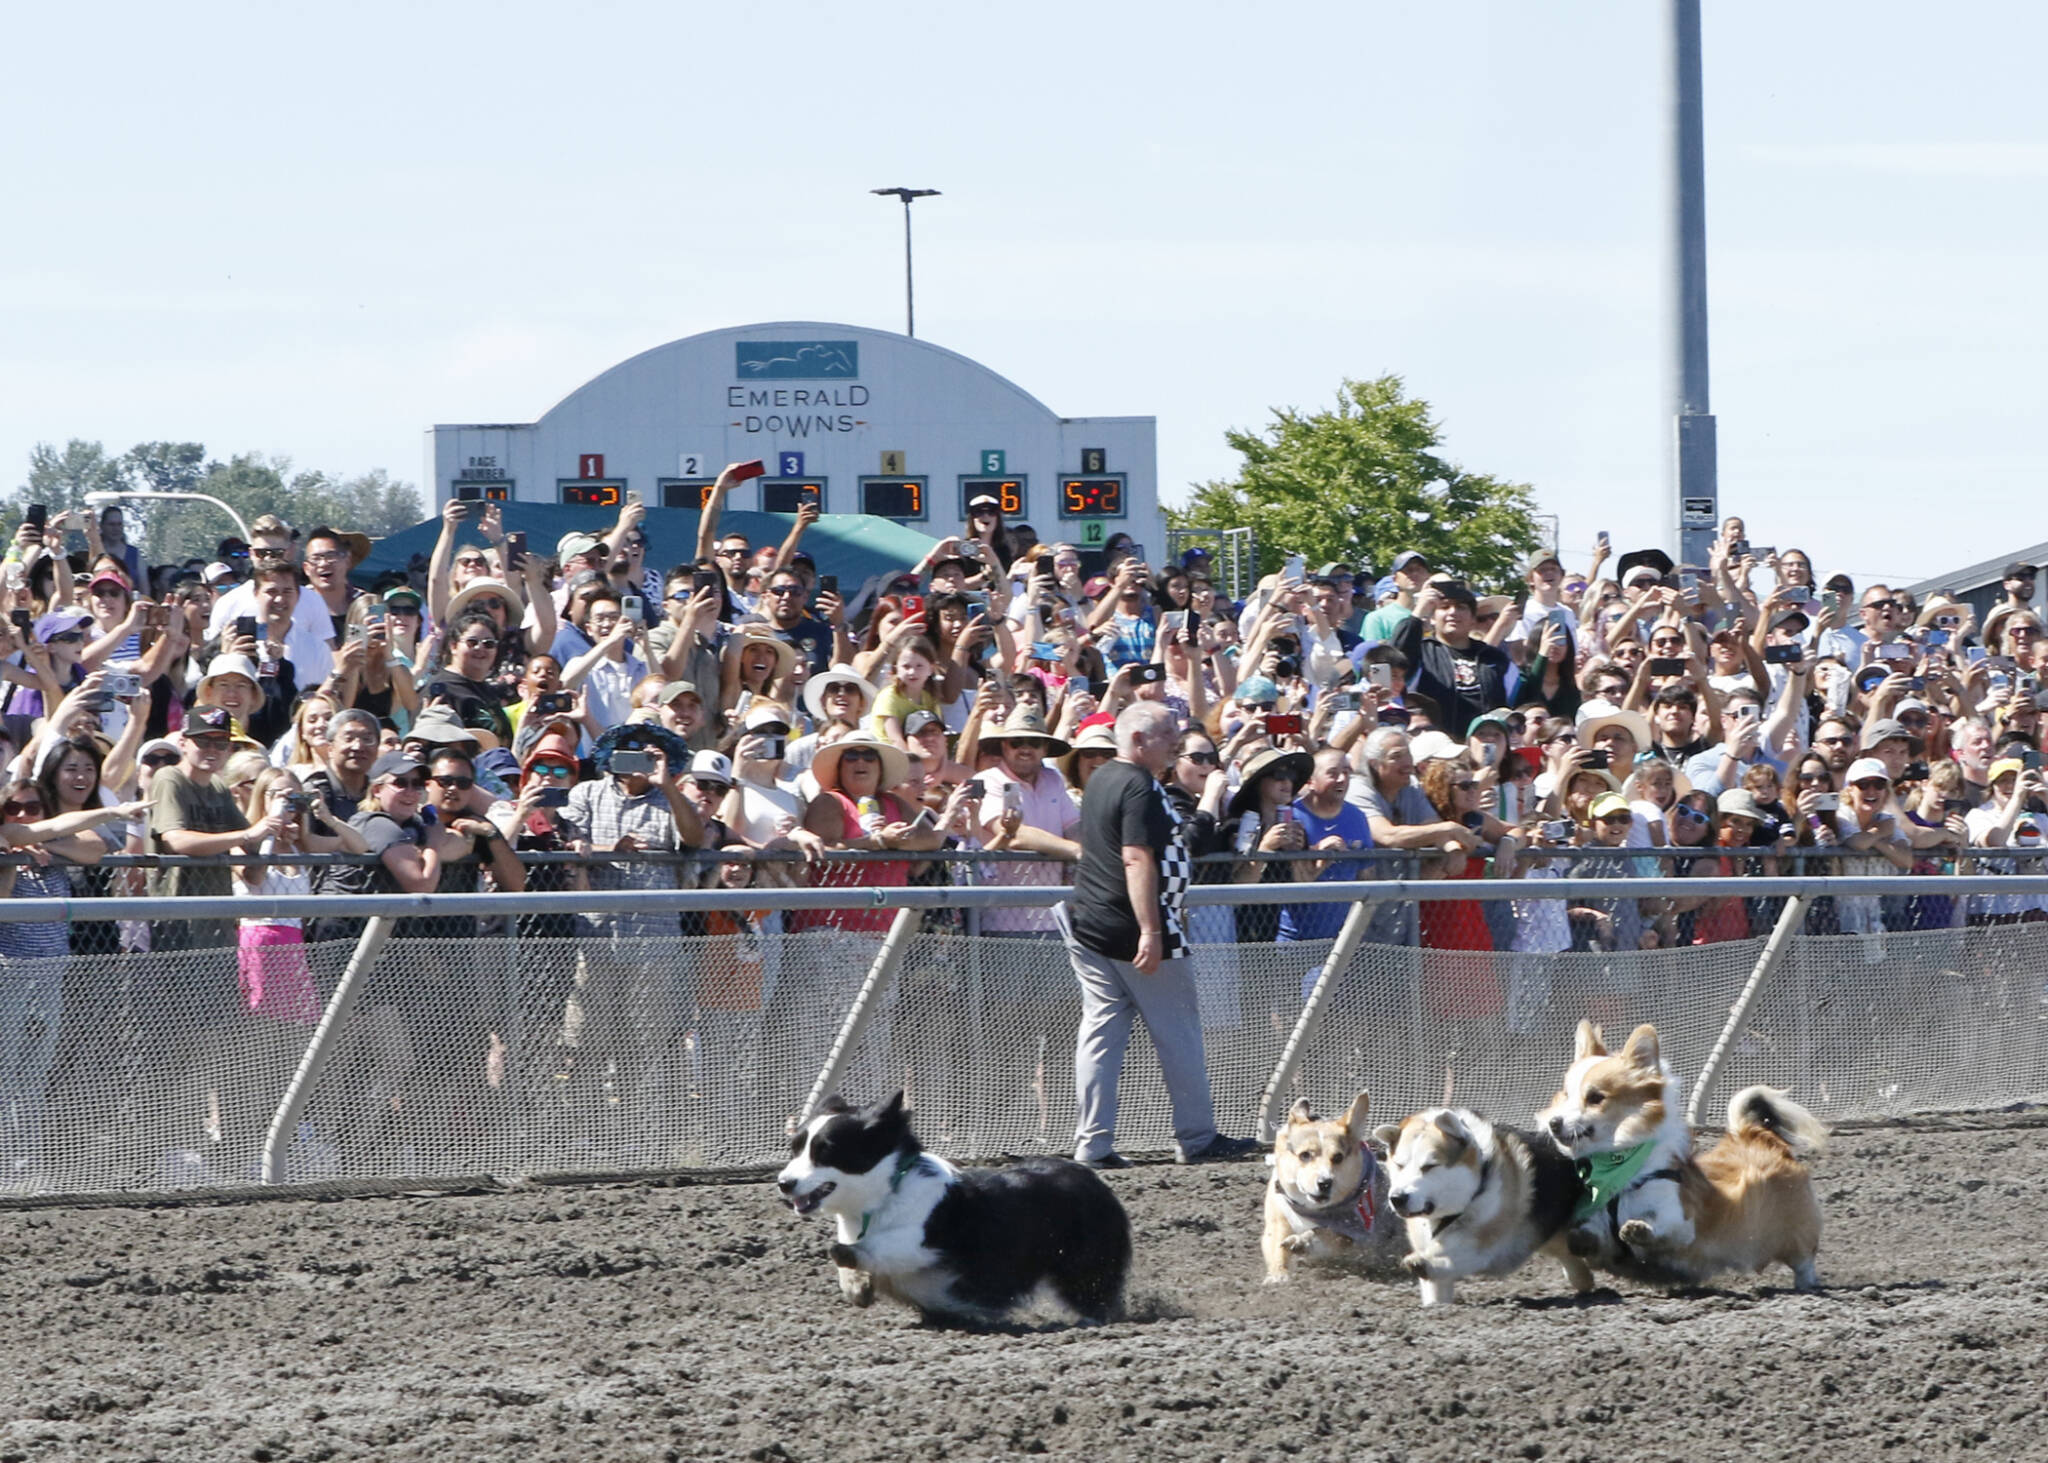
[(317, 231)]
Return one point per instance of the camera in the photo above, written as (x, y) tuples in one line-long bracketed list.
[(554, 703), (297, 802)]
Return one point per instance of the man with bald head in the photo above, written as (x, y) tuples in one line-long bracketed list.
[(1127, 943)]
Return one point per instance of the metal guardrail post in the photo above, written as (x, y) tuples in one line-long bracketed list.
[(369, 945), (894, 946), (1349, 938), (1789, 921)]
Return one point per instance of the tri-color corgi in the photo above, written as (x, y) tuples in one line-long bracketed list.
[(969, 1243), (1655, 1212), (1478, 1200), (1327, 1199)]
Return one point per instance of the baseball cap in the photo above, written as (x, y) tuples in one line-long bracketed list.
[(1785, 618), (766, 715), (1406, 557), (2003, 767), (1257, 691), (1883, 730), (395, 764), (1385, 589), (108, 576), (1863, 769), (1606, 804), (1540, 558), (1330, 570), (2020, 569), (983, 500), (1457, 591), (209, 721), (157, 746), (917, 721), (218, 573), (571, 544), (710, 766), (672, 689), (402, 591)]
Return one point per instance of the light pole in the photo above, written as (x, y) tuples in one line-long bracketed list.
[(110, 498), (1694, 448), (909, 299)]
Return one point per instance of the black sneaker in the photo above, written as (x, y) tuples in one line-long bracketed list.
[(1222, 1150), (1108, 1160)]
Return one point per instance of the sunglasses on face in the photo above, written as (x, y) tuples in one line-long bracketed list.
[(860, 755), (779, 590), (471, 561), (69, 637), (550, 769), (468, 644), (730, 554), (1832, 741), (1819, 779), (458, 784), (1667, 642), (1882, 604), (1615, 820), (409, 784), (1464, 786), (2023, 632), (1686, 813), (1200, 759), (21, 810)]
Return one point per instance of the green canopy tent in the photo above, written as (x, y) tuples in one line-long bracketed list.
[(852, 545)]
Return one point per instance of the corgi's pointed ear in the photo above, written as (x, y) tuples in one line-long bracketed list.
[(1389, 1134), (892, 1109), (1642, 1052), (1588, 1043), (1356, 1120), (1301, 1112)]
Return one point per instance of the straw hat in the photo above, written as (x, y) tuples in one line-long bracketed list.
[(825, 765), (1273, 759), (840, 675), (1098, 738), (740, 641), (478, 589), (1025, 724)]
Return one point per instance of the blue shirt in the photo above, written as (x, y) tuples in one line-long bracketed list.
[(1131, 640), (1322, 921)]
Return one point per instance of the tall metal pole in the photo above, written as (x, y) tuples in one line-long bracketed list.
[(908, 195), (909, 288), (1697, 504)]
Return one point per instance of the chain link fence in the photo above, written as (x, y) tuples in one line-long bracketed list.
[(585, 1034)]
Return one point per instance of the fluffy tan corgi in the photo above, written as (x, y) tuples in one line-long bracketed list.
[(1655, 1212), (1479, 1200), (1327, 1199)]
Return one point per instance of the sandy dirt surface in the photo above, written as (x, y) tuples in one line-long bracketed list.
[(701, 1321)]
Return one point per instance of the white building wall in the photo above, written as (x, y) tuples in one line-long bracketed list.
[(796, 387)]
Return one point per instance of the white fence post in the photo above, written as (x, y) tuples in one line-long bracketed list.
[(1349, 938), (894, 945), (286, 1120), (1789, 921)]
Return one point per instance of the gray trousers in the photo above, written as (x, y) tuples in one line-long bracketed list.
[(1112, 993)]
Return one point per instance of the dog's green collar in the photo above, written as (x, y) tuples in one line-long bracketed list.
[(1607, 1176), (903, 1166)]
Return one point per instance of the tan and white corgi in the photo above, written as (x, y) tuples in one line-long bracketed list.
[(1657, 1213), (1327, 1199), (1478, 1200)]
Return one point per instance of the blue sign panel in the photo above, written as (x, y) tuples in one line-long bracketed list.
[(796, 360), (790, 465)]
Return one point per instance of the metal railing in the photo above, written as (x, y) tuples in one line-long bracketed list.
[(1858, 1024)]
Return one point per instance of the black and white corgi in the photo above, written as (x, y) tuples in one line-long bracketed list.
[(965, 1243)]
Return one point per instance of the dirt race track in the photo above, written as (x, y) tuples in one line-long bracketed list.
[(701, 1321)]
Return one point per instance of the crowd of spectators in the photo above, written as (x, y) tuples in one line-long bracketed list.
[(499, 701)]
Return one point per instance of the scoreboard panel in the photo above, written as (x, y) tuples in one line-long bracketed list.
[(1099, 495), (592, 492), (903, 499), (1007, 491), (786, 495), (685, 492)]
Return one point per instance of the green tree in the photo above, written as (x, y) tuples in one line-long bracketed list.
[(251, 483), (1362, 482)]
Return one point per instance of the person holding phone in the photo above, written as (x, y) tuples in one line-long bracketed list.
[(1463, 675), (1126, 620), (608, 671), (1047, 818), (818, 643)]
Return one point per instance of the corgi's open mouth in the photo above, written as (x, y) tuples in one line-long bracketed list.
[(805, 1203)]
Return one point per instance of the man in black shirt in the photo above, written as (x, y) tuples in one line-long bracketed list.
[(1124, 935), (1463, 675)]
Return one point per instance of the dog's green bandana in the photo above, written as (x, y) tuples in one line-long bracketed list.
[(1607, 1176), (903, 1166)]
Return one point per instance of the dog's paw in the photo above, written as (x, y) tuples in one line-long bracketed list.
[(1415, 1265), (845, 1256), (1298, 1244), (1276, 1277), (857, 1287), (1637, 1233)]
